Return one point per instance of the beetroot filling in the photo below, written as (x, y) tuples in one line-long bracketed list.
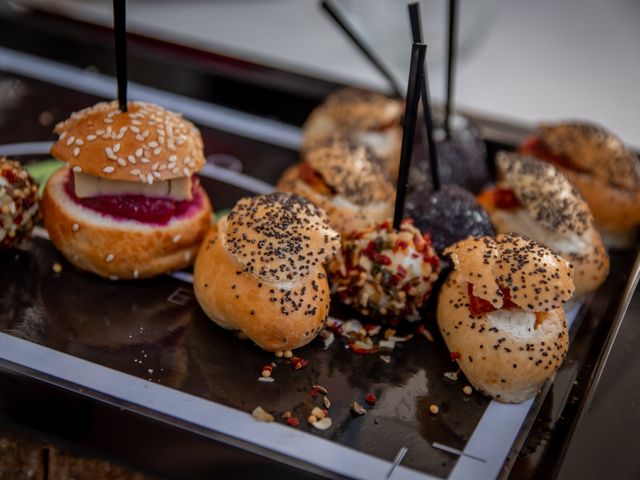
[(150, 210)]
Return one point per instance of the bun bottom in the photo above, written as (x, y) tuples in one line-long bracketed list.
[(120, 249), (509, 366), (616, 211), (275, 316)]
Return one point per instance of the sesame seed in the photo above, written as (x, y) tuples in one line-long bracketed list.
[(76, 151), (75, 227), (186, 171), (109, 258), (156, 151), (150, 179), (140, 138), (145, 160), (77, 169), (91, 138), (176, 238), (139, 152), (132, 159), (156, 174), (79, 142), (155, 166), (122, 162), (142, 178), (173, 158), (135, 274), (108, 169), (116, 148), (153, 144), (62, 135), (187, 256), (135, 129), (70, 140)]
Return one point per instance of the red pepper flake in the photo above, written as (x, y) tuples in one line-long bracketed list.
[(455, 355), (359, 350), (314, 392), (293, 421), (385, 225), (267, 367), (400, 245), (299, 363), (371, 399)]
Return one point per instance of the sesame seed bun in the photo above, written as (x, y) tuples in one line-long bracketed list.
[(508, 355), (145, 144), (260, 270), (361, 116), (552, 213), (606, 173), (538, 279), (120, 249), (363, 196)]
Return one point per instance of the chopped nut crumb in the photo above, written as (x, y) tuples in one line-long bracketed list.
[(357, 409), (467, 390), (433, 409), (57, 268), (261, 415)]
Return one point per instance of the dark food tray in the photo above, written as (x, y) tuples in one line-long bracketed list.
[(154, 330)]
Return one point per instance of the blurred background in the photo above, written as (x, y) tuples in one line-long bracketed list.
[(520, 61)]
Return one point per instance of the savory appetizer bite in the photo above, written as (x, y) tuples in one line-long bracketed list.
[(462, 157), (19, 208), (261, 270), (449, 214), (500, 313), (364, 117), (386, 273), (128, 204), (534, 199), (344, 180), (605, 171)]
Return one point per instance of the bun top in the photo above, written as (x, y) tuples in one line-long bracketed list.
[(538, 280), (351, 170), (595, 150), (545, 193), (353, 109), (280, 237), (145, 144)]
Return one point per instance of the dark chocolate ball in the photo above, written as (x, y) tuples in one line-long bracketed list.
[(449, 215)]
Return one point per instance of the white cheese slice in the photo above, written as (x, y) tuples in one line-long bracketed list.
[(90, 186)]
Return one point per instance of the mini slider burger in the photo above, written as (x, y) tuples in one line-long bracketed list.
[(261, 270), (128, 204), (501, 314), (534, 199), (601, 167), (345, 181), (19, 208), (363, 117)]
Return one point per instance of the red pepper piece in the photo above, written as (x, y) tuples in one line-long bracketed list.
[(293, 421), (371, 399), (455, 355)]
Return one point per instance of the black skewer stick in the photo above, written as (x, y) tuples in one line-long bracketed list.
[(451, 58), (120, 33), (416, 77), (362, 44), (416, 32)]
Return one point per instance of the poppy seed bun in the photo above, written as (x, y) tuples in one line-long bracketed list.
[(554, 214), (538, 279), (122, 249), (363, 196), (361, 116), (145, 144), (606, 173), (261, 270), (507, 354)]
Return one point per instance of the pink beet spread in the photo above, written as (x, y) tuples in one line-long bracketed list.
[(150, 210)]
